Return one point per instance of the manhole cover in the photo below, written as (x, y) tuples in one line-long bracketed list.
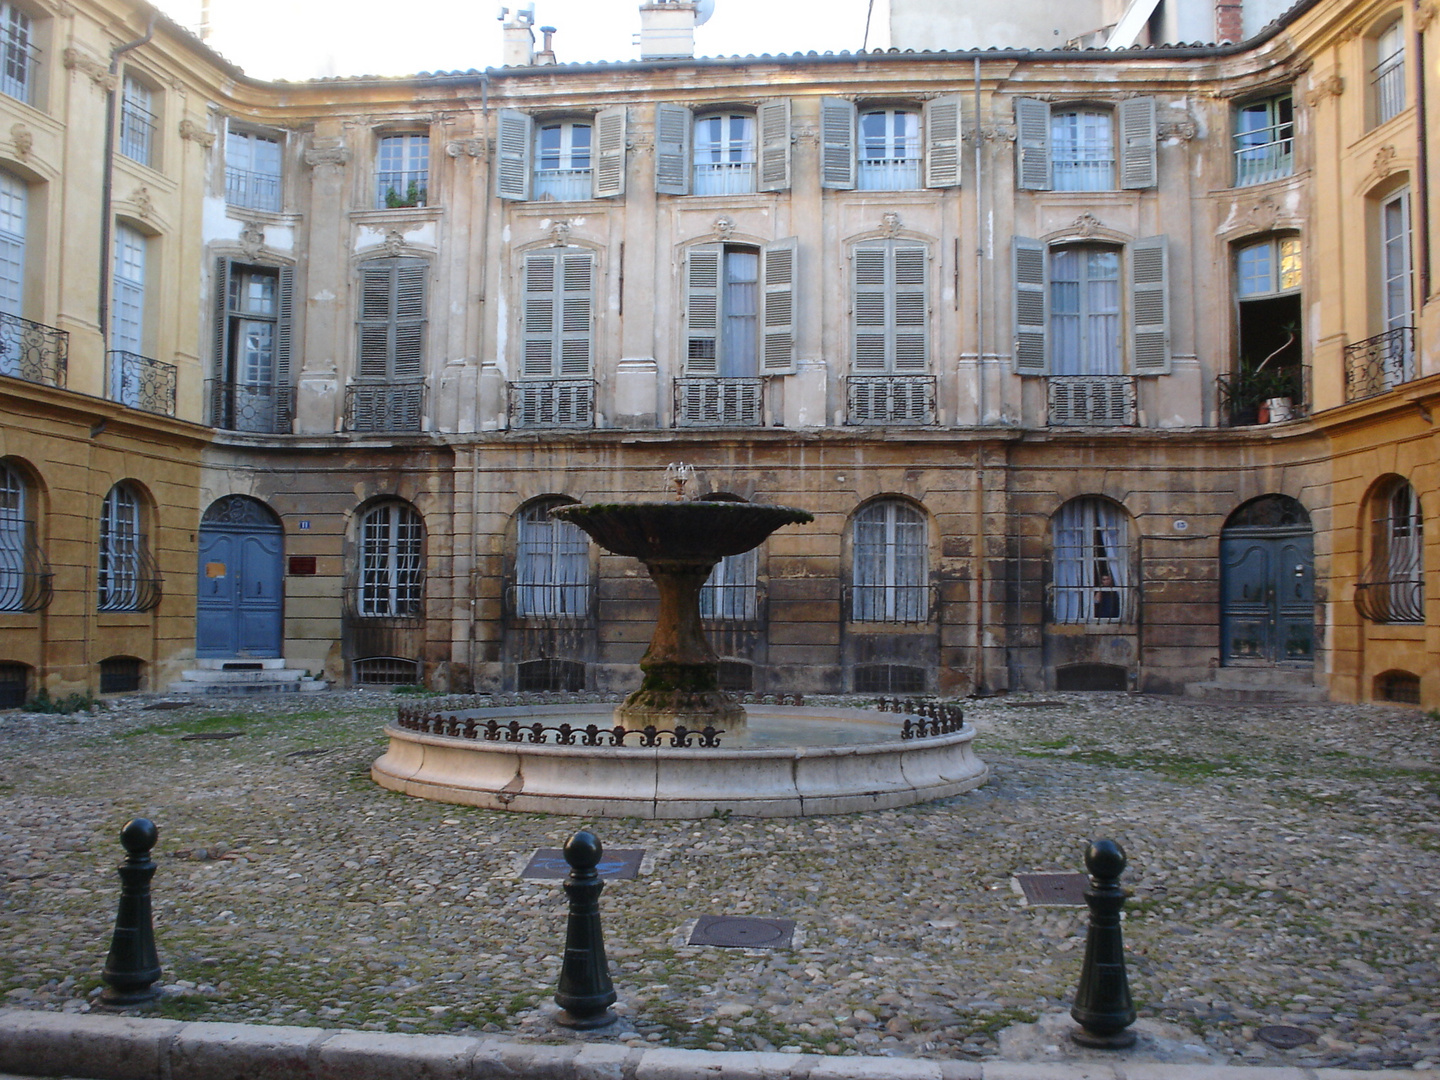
[(740, 932), (207, 736), (1283, 1037), (1053, 890), (549, 864)]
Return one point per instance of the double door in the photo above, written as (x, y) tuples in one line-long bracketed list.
[(1267, 589)]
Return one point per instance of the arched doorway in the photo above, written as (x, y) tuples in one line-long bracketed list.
[(1267, 584), (238, 609)]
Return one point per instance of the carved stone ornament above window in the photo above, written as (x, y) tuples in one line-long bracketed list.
[(999, 133), (252, 239), (724, 228), (1384, 163), (394, 243), (1425, 15), (1326, 88), (890, 223), (196, 133), (1184, 130), (24, 140), (471, 148), (560, 233), (331, 155), (1264, 214), (1087, 224), (141, 200), (77, 60)]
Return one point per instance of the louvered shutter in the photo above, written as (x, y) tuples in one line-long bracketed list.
[(542, 271), (376, 279), (774, 118), (284, 345), (410, 282), (512, 170), (870, 289), (608, 179), (1032, 307), (1150, 306), (837, 143), (221, 331), (778, 334), (577, 291), (911, 351), (942, 142), (1032, 144), (702, 309), (673, 126), (1137, 143)]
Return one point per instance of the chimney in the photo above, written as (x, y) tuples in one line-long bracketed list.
[(546, 55), (519, 47), (1229, 20), (667, 30)]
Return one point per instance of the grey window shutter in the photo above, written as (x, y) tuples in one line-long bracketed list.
[(774, 119), (871, 286), (1032, 307), (942, 142), (837, 143), (538, 311), (222, 323), (512, 170), (702, 309), (284, 345), (1150, 306), (1032, 144), (410, 283), (577, 290), (608, 179), (673, 129), (376, 281), (778, 354), (911, 322), (1137, 143)]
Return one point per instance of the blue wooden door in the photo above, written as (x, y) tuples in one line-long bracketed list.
[(238, 609), (1267, 596)]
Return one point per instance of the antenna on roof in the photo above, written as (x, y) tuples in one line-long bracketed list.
[(703, 10)]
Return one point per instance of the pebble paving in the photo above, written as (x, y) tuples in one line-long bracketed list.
[(1284, 864)]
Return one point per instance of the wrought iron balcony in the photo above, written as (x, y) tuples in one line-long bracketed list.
[(129, 576), (255, 190), (25, 577), (717, 402), (33, 351), (141, 382), (890, 399), (262, 408), (1379, 363), (1264, 154), (552, 403), (1091, 400), (385, 406), (1392, 589)]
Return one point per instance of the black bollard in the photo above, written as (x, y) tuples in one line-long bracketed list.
[(132, 970), (1103, 1008), (586, 992)]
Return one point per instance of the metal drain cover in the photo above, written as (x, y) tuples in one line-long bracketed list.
[(549, 864), (742, 932), (1053, 890), (1284, 1037)]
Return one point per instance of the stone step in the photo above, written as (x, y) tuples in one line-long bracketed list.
[(1240, 694), (1275, 676), (303, 686), (205, 675), (267, 663)]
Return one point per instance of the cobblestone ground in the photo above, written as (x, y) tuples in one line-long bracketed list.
[(1285, 864)]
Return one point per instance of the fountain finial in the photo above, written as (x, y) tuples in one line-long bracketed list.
[(679, 474)]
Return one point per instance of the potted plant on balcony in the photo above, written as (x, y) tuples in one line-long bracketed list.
[(1258, 393), (414, 195)]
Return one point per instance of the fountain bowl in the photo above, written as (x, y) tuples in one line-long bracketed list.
[(695, 530)]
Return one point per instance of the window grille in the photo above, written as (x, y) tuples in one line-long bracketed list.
[(1092, 578), (550, 676), (719, 402), (552, 566), (889, 679), (252, 171), (1392, 589), (14, 685), (1401, 687), (25, 578), (392, 566), (137, 122), (129, 579), (1092, 401), (890, 570), (120, 674), (552, 403), (384, 671), (731, 593)]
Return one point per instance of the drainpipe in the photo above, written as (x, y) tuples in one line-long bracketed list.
[(980, 540), (108, 182), (1422, 157)]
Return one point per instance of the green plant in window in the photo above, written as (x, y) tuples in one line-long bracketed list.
[(414, 196)]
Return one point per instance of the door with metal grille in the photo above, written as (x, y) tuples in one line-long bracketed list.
[(238, 608)]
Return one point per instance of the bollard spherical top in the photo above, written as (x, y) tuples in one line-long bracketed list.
[(139, 835), (583, 850), (1105, 859)]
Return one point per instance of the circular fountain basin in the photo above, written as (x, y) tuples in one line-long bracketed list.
[(792, 762)]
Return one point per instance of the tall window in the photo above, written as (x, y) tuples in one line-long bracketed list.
[(724, 154), (18, 59), (252, 170), (392, 318), (392, 567), (1092, 563), (252, 347), (562, 161), (1387, 77), (739, 309), (889, 151), (730, 592), (1264, 141), (137, 121), (1085, 311), (1082, 150), (558, 316), (127, 578), (1395, 581), (127, 294), (1085, 148), (890, 564), (1268, 275), (891, 308), (1395, 259), (402, 171), (13, 192), (552, 566)]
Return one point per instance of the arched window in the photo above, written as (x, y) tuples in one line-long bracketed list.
[(24, 571), (1392, 589), (1091, 571), (889, 572), (552, 566), (392, 563), (129, 580)]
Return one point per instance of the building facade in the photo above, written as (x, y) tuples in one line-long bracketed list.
[(1097, 368)]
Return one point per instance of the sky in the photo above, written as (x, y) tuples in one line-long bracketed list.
[(302, 39)]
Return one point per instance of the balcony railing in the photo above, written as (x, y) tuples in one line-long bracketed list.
[(888, 174), (724, 178), (387, 406), (25, 577), (1245, 397), (552, 403), (262, 408), (1387, 80), (33, 351), (141, 382), (256, 190), (890, 399), (137, 131), (562, 185), (717, 402), (1259, 162), (1091, 400), (1379, 363)]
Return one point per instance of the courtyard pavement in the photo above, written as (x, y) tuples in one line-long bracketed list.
[(1284, 864)]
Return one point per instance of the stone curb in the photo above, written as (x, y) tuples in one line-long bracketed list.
[(107, 1047)]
